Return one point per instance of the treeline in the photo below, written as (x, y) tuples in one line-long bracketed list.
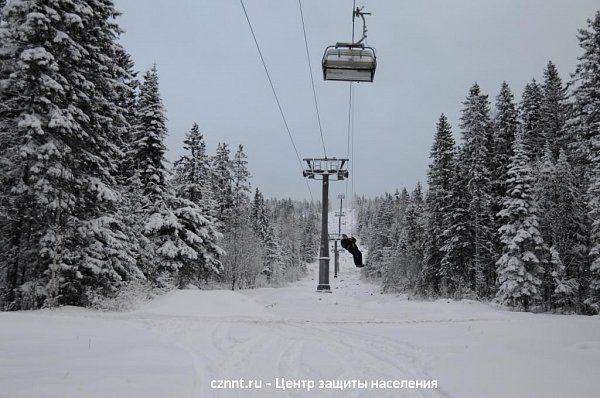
[(88, 207), (266, 241), (513, 211)]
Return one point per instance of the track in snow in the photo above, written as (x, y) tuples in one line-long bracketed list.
[(175, 345)]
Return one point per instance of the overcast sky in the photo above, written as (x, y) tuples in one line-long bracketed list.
[(429, 54)]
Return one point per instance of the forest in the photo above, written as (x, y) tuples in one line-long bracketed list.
[(90, 208), (91, 212), (512, 210)]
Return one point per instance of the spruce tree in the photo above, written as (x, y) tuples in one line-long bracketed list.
[(594, 205), (273, 265), (309, 243), (62, 130), (457, 238), (532, 124), (476, 132), (586, 118), (148, 146), (179, 243), (259, 215), (147, 184), (193, 174), (127, 95), (565, 289), (439, 203), (244, 257), (547, 203), (413, 242), (570, 226), (380, 242), (241, 180), (505, 127), (223, 182), (264, 230), (184, 243), (520, 267), (555, 111)]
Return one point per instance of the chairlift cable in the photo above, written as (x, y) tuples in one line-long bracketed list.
[(312, 80), (352, 156), (349, 123), (287, 127)]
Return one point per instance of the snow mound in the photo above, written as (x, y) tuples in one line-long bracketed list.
[(203, 303)]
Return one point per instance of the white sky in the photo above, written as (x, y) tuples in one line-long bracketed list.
[(429, 54)]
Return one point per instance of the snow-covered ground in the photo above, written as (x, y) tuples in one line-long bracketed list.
[(175, 345)]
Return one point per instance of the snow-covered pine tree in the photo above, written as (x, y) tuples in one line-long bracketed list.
[(180, 244), (380, 243), (563, 222), (273, 266), (309, 244), (64, 126), (573, 239), (223, 182), (586, 119), (505, 125), (129, 187), (289, 220), (240, 184), (241, 181), (148, 146), (565, 289), (520, 268), (531, 114), (193, 174), (476, 132), (505, 128), (147, 186), (406, 267), (545, 197), (259, 216), (110, 115), (457, 239), (555, 111), (193, 207), (243, 262), (439, 201), (185, 243), (264, 230), (127, 94), (400, 205), (594, 204)]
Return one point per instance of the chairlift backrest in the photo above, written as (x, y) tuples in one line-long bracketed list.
[(347, 62)]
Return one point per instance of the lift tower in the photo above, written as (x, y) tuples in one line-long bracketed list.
[(322, 169)]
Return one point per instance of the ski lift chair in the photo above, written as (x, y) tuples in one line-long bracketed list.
[(349, 63)]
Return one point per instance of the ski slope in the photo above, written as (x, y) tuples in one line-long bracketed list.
[(175, 345)]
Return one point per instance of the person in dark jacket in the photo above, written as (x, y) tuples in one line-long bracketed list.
[(350, 245)]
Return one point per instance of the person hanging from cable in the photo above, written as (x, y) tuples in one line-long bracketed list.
[(349, 243)]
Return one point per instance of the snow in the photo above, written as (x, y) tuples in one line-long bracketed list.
[(204, 303), (39, 54), (176, 344)]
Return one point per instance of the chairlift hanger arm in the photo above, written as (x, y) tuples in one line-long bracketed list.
[(359, 13), (351, 62)]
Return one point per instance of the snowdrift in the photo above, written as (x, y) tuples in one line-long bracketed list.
[(203, 303)]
